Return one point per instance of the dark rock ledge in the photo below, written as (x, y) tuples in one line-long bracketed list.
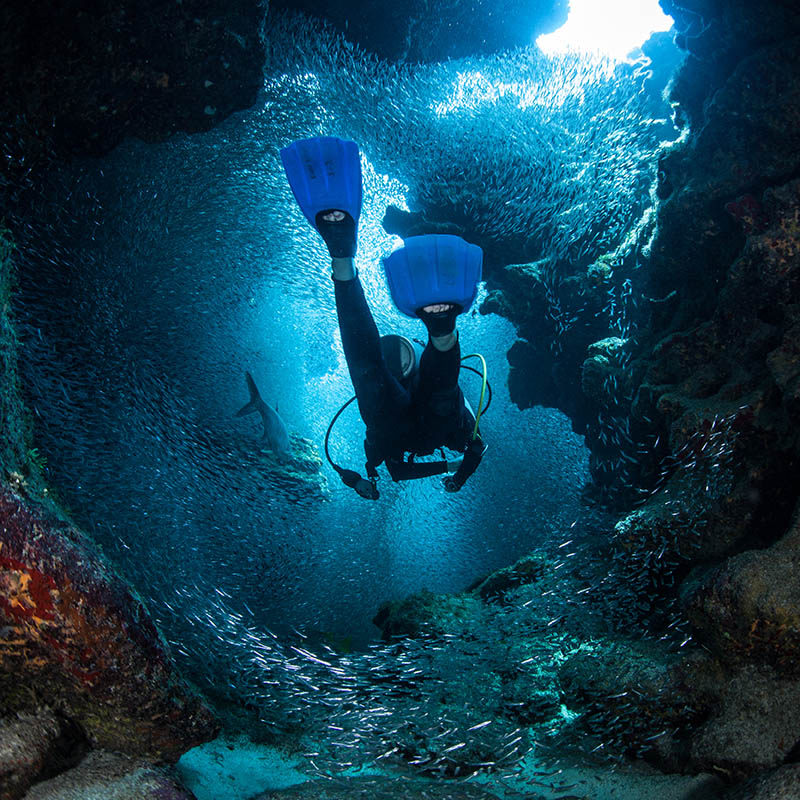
[(82, 667), (79, 76)]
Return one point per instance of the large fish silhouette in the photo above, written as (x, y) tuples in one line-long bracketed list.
[(275, 433)]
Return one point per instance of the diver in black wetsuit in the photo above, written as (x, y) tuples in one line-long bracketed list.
[(433, 278), (402, 416)]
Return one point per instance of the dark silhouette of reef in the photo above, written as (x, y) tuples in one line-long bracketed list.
[(80, 76), (82, 666), (692, 420)]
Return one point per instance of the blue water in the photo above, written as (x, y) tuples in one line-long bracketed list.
[(178, 296), (165, 271)]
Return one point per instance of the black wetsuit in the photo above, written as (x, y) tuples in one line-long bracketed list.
[(417, 420)]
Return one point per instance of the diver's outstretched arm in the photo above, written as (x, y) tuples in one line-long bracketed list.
[(472, 458)]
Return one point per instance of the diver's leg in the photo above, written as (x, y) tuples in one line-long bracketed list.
[(441, 360), (440, 320), (438, 378), (438, 391), (380, 396)]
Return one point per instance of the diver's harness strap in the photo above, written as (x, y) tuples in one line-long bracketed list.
[(408, 470), (400, 469)]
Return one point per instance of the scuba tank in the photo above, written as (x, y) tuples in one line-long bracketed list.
[(401, 355)]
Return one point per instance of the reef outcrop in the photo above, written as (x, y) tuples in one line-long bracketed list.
[(82, 666), (546, 361), (103, 774), (692, 420), (84, 643)]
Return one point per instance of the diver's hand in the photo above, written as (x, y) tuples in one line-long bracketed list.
[(450, 484), (452, 466)]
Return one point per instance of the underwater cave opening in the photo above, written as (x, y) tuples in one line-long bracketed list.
[(613, 28), (157, 276)]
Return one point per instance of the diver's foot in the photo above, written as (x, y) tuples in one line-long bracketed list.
[(338, 230), (439, 318)]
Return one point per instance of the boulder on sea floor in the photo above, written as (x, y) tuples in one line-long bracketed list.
[(780, 784), (34, 746), (638, 697), (755, 724), (426, 613), (527, 570), (110, 776), (74, 637), (748, 609)]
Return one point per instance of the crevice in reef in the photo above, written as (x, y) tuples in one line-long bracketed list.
[(67, 749)]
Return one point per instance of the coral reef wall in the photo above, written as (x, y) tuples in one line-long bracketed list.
[(716, 379), (692, 418), (713, 376), (691, 414), (689, 402)]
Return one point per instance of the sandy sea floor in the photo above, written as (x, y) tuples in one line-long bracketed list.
[(237, 769)]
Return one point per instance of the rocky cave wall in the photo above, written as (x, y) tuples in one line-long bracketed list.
[(691, 417), (692, 420), (81, 664)]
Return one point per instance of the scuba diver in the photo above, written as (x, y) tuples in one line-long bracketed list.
[(409, 398)]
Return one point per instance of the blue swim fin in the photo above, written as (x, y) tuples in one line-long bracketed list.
[(325, 174), (436, 268)]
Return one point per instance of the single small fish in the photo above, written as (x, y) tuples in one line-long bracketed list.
[(275, 433)]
